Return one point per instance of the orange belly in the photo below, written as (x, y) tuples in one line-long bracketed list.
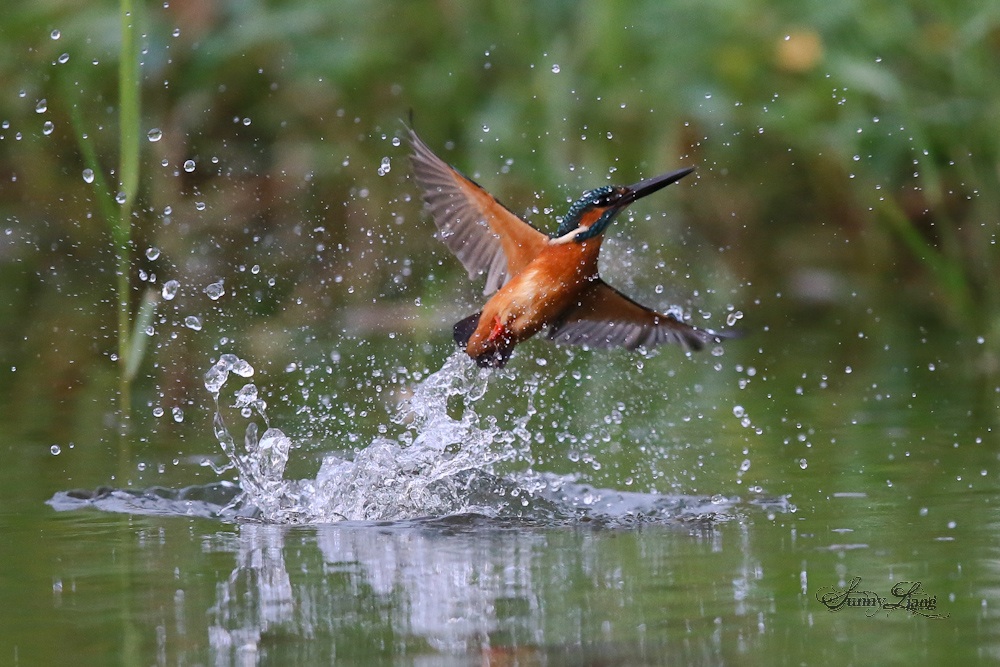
[(535, 298)]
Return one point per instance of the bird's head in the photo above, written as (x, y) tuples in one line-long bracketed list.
[(595, 210)]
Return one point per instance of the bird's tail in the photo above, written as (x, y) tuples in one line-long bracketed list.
[(464, 329)]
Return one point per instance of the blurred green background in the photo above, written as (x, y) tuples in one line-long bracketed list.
[(847, 175)]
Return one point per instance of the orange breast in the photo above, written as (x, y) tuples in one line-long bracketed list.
[(539, 294)]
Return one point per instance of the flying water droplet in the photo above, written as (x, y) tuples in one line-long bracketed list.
[(121, 197), (169, 290), (42, 106), (192, 322), (47, 127), (155, 134), (246, 396), (216, 376), (152, 253), (63, 59), (56, 450), (88, 175), (556, 69), (215, 290), (189, 166), (177, 414), (385, 167), (55, 34), (243, 368)]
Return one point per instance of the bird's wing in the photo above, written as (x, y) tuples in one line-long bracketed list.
[(605, 318), (484, 235)]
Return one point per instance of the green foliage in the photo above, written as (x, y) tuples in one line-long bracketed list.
[(850, 141)]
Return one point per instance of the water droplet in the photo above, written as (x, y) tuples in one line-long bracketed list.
[(215, 290), (121, 197), (243, 368), (555, 68), (192, 322), (170, 289), (157, 411), (55, 34), (385, 167), (745, 465), (738, 411), (217, 375), (56, 450), (88, 175), (154, 134), (189, 166), (803, 464), (246, 121), (176, 32), (199, 206), (152, 253), (178, 414), (42, 106), (47, 127)]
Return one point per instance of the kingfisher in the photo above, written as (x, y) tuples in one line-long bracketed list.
[(541, 281)]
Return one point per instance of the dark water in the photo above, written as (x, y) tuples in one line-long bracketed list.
[(719, 549)]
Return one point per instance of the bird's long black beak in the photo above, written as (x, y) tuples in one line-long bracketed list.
[(651, 185)]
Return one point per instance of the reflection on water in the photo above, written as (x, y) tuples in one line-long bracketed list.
[(476, 590), (459, 589)]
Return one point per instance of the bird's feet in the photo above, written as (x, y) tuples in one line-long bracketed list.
[(498, 332)]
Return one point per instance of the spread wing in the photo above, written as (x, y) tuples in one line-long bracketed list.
[(484, 235), (605, 318)]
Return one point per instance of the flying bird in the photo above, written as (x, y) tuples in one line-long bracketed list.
[(543, 282)]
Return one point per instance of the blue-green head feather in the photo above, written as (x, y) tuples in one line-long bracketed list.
[(598, 197), (612, 199)]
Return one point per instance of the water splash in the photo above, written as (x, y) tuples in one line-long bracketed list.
[(438, 465)]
